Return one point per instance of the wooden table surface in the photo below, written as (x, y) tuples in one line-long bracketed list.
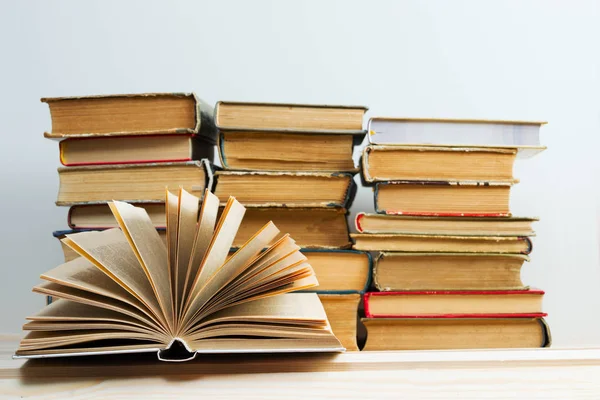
[(496, 374)]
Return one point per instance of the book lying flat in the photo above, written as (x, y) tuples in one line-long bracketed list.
[(284, 151), (523, 135), (455, 304), (470, 199), (106, 150), (311, 227), (455, 333), (448, 271), (441, 243), (457, 226), (128, 292), (101, 184), (131, 114), (324, 228), (437, 163), (99, 216), (285, 117), (282, 189)]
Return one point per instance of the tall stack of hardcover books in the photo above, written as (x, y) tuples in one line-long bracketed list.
[(292, 164), (129, 148), (448, 272)]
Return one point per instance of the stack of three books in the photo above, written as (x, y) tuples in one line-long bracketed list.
[(447, 275)]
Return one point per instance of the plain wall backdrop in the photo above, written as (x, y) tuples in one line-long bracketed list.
[(519, 60)]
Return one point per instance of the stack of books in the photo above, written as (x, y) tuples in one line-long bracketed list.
[(292, 164), (129, 148), (448, 272)]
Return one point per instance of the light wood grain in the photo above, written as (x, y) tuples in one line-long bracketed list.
[(496, 374)]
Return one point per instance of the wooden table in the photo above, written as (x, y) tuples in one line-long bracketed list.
[(497, 374)]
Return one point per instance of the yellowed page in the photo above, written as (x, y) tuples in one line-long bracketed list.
[(47, 326), (110, 251), (202, 238), (234, 266), (44, 339), (69, 311), (292, 306), (59, 291), (188, 218), (171, 209), (262, 330), (279, 250), (305, 282), (96, 349), (218, 249), (269, 345), (83, 275), (150, 252)]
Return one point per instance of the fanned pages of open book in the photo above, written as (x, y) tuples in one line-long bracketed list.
[(129, 293)]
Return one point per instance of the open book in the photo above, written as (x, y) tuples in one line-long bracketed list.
[(128, 292)]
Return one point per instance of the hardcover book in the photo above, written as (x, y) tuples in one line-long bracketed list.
[(322, 228), (455, 333), (106, 150), (437, 163), (523, 135), (285, 117), (282, 189), (101, 184), (128, 292), (470, 199), (99, 216), (455, 304), (393, 272), (131, 114), (441, 243), (453, 226), (284, 151), (340, 271)]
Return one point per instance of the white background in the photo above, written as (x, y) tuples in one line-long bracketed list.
[(530, 60)]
